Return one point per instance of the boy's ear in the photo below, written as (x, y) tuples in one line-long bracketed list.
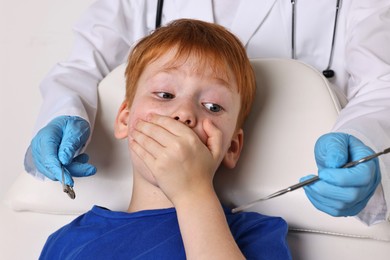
[(121, 121), (233, 154)]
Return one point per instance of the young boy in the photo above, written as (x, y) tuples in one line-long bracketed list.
[(189, 88)]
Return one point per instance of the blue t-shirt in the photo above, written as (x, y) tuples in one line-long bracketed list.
[(155, 234)]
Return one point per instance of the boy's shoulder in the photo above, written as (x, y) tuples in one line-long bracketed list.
[(102, 233), (254, 220), (259, 236)]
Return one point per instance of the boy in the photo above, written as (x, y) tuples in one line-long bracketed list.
[(189, 89)]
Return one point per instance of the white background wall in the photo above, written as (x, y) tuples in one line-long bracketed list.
[(34, 35)]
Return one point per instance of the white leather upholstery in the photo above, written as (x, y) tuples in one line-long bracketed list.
[(294, 106)]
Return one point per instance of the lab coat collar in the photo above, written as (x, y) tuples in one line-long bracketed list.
[(250, 15)]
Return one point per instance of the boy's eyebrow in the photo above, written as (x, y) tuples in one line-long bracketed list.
[(218, 79)]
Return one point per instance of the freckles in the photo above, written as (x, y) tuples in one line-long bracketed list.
[(142, 113)]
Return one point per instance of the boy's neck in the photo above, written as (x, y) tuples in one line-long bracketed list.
[(146, 196)]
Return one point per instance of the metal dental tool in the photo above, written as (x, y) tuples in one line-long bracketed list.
[(66, 188), (307, 182)]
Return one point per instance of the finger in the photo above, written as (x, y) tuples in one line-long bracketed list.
[(46, 143), (328, 193), (171, 125), (81, 158), (53, 170), (147, 159), (44, 152), (359, 176), (305, 178), (358, 149), (50, 168), (148, 144), (214, 138), (137, 145), (331, 150), (324, 206), (77, 169), (334, 207), (75, 136), (153, 131)]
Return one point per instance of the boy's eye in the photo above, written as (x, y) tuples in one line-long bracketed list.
[(165, 95), (213, 107)]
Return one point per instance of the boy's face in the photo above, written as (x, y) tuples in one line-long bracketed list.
[(189, 96)]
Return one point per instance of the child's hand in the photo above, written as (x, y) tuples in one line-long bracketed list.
[(181, 164)]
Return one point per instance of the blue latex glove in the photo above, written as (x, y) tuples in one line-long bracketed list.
[(342, 191), (57, 143)]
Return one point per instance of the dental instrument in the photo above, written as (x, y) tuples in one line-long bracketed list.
[(66, 188), (307, 182)]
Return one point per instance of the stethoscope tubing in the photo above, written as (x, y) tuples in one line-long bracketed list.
[(334, 34), (327, 72), (160, 4)]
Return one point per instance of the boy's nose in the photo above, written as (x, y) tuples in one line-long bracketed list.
[(186, 115), (186, 121)]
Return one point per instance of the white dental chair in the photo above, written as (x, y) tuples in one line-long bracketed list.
[(294, 106)]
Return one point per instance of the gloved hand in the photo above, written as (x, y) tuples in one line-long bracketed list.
[(57, 143), (342, 191)]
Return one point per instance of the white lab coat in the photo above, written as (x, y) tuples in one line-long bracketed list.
[(361, 60)]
